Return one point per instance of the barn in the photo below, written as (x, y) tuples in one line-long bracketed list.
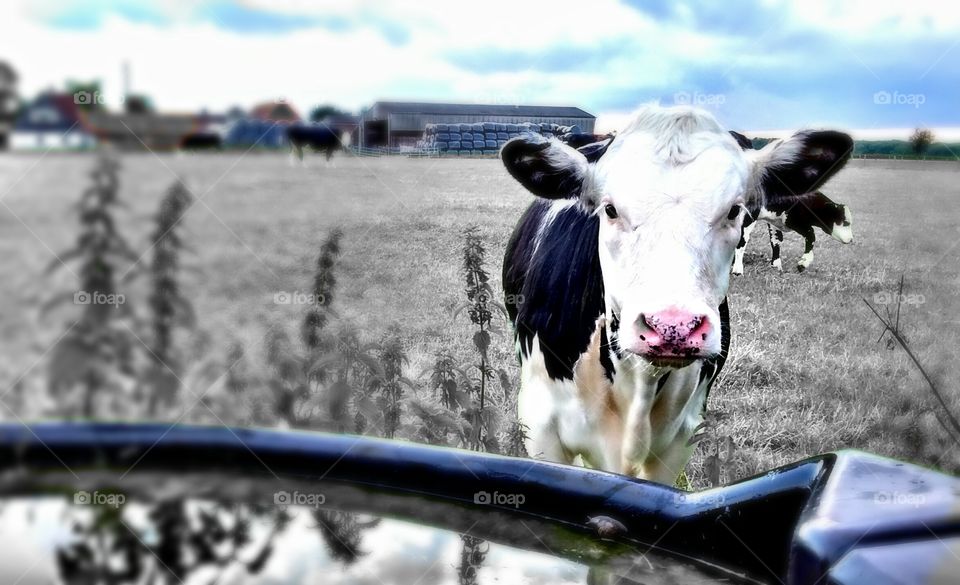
[(398, 124)]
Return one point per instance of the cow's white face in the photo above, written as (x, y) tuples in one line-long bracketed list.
[(667, 238), (669, 193)]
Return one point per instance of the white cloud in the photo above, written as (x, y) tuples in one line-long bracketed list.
[(192, 61)]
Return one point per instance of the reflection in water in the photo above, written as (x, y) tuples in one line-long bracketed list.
[(50, 540), (193, 542), (342, 532), (472, 554), (165, 543)]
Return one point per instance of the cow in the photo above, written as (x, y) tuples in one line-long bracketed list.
[(321, 138), (615, 279), (202, 141), (812, 210), (799, 214)]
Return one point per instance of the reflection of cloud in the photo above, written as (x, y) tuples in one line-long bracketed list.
[(401, 553)]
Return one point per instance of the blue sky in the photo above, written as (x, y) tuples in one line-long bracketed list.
[(758, 64)]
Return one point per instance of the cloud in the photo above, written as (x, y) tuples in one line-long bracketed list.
[(756, 63)]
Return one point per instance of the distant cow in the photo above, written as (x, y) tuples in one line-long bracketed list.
[(800, 213), (812, 210), (320, 138), (202, 141), (616, 279)]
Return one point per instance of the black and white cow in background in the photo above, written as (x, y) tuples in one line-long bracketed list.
[(616, 279), (801, 214), (815, 210), (320, 138)]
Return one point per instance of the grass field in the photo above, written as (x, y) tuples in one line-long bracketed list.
[(806, 375)]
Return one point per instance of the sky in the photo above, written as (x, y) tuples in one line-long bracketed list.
[(757, 64)]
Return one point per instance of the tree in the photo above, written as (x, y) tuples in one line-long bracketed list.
[(320, 113), (138, 104), (920, 140)]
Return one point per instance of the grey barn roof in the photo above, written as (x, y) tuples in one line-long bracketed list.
[(384, 108)]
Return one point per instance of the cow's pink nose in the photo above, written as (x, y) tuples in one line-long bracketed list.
[(673, 333)]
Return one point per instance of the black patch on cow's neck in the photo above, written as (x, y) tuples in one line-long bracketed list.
[(555, 291), (720, 360), (663, 380), (615, 336)]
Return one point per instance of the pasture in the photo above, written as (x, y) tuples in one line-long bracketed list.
[(806, 373)]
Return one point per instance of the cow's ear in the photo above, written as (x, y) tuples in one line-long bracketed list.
[(742, 141), (801, 163), (547, 168), (593, 152)]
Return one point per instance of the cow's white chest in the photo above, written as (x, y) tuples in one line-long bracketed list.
[(627, 426)]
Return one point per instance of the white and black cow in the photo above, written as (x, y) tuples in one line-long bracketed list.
[(813, 210), (616, 279), (798, 214)]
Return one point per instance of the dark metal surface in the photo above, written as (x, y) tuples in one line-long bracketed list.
[(794, 524)]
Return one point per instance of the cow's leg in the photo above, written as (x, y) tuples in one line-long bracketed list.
[(666, 467), (748, 226), (537, 410), (776, 238), (296, 154), (808, 239)]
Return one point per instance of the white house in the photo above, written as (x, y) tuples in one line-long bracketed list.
[(51, 121)]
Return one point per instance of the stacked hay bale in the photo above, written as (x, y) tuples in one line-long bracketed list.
[(485, 138)]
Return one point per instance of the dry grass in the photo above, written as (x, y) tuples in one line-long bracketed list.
[(806, 373)]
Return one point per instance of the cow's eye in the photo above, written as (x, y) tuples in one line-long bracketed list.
[(611, 211), (734, 212)]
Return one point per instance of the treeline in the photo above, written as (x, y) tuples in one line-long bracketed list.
[(891, 148)]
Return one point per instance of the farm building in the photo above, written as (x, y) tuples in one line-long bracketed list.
[(51, 121), (140, 131), (278, 111), (399, 124)]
